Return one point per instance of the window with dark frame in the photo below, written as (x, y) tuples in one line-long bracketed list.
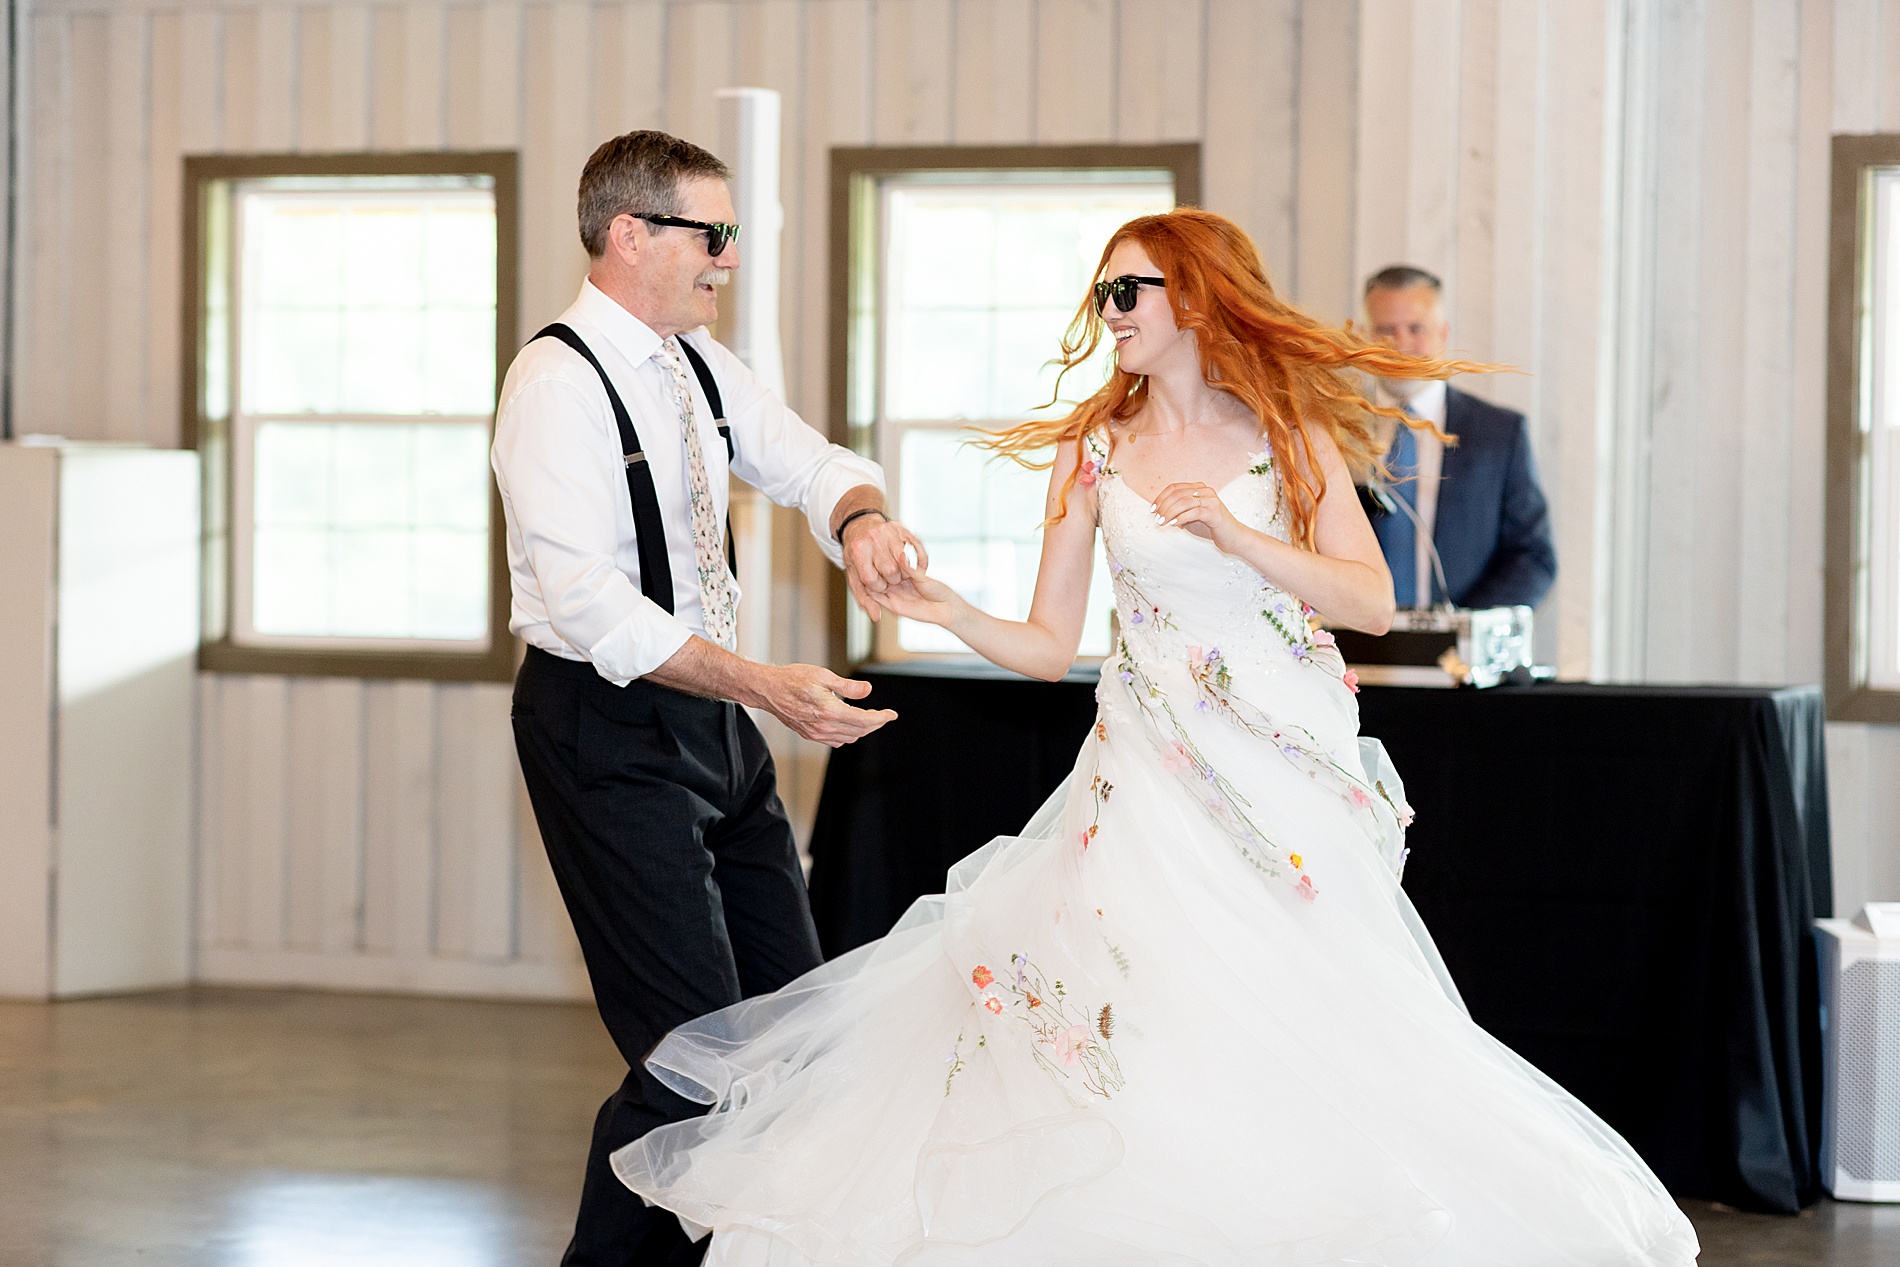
[(348, 319), (956, 272)]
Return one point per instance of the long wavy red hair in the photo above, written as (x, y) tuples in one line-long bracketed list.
[(1292, 372)]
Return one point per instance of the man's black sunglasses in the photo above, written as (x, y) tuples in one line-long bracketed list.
[(717, 235), (1126, 289)]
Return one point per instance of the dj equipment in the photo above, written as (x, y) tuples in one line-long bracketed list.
[(1446, 646), (1860, 1053)]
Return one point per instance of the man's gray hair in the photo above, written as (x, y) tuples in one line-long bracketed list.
[(639, 173), (1402, 277)]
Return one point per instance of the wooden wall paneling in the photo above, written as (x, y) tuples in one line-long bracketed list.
[(388, 62), (993, 75), (1569, 297), (501, 118), (340, 840), (1158, 91), (1472, 263), (1808, 449), (1675, 457), (349, 77), (240, 96), (1076, 44), (163, 244), (573, 140), (1767, 363), (1887, 77), (307, 742), (611, 22), (462, 82), (424, 51), (1436, 82), (1883, 802), (276, 78), (127, 114), (541, 217), (417, 814), (212, 739), (1496, 312), (911, 71), (641, 70), (42, 390), (1855, 73), (86, 225), (1251, 135), (699, 39), (1325, 277), (381, 797), (201, 81), (490, 849), (1847, 801), (456, 820), (266, 796), (1715, 589), (1383, 170), (314, 35)]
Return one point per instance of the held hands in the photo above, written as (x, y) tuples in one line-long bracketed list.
[(1199, 509), (875, 560)]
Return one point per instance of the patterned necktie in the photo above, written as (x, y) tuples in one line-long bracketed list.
[(718, 592)]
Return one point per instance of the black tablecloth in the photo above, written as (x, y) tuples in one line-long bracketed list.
[(1621, 880)]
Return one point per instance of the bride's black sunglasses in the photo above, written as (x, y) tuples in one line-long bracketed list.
[(717, 235), (1125, 290)]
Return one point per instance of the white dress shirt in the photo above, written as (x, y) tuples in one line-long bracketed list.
[(572, 560), (1427, 403)]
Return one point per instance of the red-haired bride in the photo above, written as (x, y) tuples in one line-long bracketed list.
[(1188, 1015)]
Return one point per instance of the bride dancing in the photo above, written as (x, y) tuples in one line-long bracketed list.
[(1188, 1016)]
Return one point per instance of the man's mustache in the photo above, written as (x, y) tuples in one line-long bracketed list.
[(714, 277)]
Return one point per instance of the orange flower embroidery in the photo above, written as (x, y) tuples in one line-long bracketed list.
[(982, 976)]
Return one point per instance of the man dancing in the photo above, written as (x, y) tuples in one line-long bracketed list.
[(654, 792)]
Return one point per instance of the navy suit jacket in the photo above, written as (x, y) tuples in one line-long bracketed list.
[(1493, 525)]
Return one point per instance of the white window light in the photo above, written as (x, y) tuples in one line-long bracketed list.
[(363, 379), (981, 274)]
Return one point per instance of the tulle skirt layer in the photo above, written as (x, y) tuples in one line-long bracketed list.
[(1142, 1033)]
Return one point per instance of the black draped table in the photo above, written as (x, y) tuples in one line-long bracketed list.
[(1621, 879)]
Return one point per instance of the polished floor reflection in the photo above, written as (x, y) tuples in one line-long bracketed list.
[(253, 1128)]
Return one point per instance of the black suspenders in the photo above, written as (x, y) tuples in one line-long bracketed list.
[(649, 530)]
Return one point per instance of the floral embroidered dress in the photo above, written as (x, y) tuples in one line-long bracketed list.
[(1187, 1016)]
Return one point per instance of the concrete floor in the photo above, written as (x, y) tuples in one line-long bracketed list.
[(254, 1128)]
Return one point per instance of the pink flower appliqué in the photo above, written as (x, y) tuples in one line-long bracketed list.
[(1351, 679), (1324, 638), (994, 1004), (1405, 814), (1360, 798), (1070, 1042), (1175, 759), (1086, 476), (1306, 889)]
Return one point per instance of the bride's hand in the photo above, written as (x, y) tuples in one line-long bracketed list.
[(922, 597), (1199, 509)]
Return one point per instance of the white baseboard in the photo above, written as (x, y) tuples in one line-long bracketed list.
[(379, 974)]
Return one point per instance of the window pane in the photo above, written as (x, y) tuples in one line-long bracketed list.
[(367, 300), (981, 517), (983, 282), (371, 530)]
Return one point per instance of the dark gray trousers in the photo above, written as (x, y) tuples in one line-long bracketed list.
[(661, 817)]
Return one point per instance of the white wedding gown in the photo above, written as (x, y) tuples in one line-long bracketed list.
[(1188, 1016)]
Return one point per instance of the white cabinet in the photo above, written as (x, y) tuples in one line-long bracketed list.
[(99, 601)]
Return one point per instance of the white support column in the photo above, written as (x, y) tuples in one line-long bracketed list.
[(749, 142)]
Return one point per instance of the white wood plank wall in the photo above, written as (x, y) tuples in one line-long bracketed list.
[(1664, 302)]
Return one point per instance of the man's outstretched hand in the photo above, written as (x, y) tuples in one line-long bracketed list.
[(807, 698), (874, 559)]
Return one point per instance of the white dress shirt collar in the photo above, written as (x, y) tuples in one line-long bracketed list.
[(1427, 403), (630, 336)]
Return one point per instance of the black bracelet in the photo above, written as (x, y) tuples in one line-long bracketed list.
[(859, 514)]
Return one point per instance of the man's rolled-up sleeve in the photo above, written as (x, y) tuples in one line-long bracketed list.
[(564, 488), (782, 455)]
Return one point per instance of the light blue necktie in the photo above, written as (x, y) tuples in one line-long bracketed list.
[(1396, 534)]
